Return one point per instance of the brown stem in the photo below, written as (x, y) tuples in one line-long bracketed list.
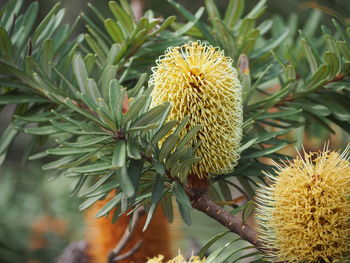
[(203, 203)]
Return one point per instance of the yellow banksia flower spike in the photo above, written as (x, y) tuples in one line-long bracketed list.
[(177, 259), (304, 215), (200, 82)]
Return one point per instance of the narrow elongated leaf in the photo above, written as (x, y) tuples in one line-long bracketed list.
[(210, 242), (157, 193), (184, 29), (264, 152), (163, 131), (126, 184), (184, 212), (180, 194), (101, 181), (80, 72), (86, 143), (6, 48), (135, 108), (58, 163), (168, 146), (42, 130), (190, 135), (114, 30), (90, 201), (119, 156), (109, 206), (43, 25), (150, 116), (20, 98), (124, 18), (67, 151), (8, 136), (91, 168), (233, 12), (133, 150)]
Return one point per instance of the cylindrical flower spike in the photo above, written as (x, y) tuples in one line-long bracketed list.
[(199, 81), (304, 216), (177, 259)]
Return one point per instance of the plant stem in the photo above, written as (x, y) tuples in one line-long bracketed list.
[(203, 203)]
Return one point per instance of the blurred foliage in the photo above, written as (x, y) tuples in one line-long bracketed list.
[(38, 218), (70, 91)]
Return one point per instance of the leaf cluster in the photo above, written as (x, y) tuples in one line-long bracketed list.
[(84, 100)]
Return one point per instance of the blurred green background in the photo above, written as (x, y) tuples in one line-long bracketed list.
[(39, 218)]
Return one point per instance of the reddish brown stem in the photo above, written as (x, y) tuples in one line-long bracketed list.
[(203, 203)]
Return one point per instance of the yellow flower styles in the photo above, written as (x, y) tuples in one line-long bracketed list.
[(199, 81), (304, 216)]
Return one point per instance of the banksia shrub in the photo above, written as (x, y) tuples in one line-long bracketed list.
[(304, 215), (177, 259), (199, 81)]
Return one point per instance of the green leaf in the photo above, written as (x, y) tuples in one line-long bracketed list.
[(201, 26), (184, 29), (150, 116), (180, 194), (133, 151), (91, 168), (167, 207), (233, 13), (103, 189), (6, 48), (44, 23), (107, 76), (114, 30), (344, 48), (210, 242), (271, 44), (119, 156), (190, 135), (96, 47), (135, 90), (68, 151), (109, 206), (126, 183), (168, 21), (334, 64), (58, 163), (135, 108), (168, 146), (258, 10), (80, 73), (21, 98), (310, 56), (100, 182), (279, 114), (79, 184), (157, 193), (261, 153), (147, 127), (113, 94), (184, 212), (86, 142), (46, 56), (177, 155), (321, 74), (125, 20), (8, 136), (163, 131), (42, 130), (90, 201)]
